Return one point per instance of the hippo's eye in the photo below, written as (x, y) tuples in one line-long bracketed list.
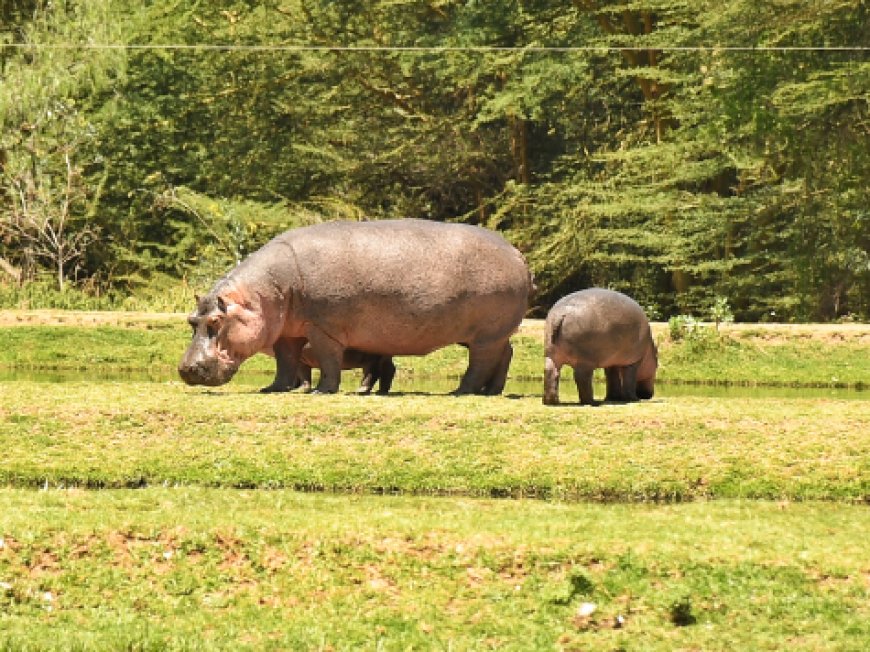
[(212, 327)]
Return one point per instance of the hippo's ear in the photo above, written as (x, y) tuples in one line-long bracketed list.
[(222, 304)]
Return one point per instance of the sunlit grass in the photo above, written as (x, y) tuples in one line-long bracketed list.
[(785, 356), (212, 551), (221, 569), (128, 434)]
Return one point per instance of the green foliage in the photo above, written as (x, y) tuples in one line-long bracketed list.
[(720, 312), (676, 175), (161, 294), (697, 342)]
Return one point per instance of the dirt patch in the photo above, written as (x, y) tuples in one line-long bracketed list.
[(771, 333), (782, 333), (84, 318)]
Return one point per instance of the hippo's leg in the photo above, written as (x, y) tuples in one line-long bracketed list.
[(287, 354), (629, 381), (329, 352), (483, 360), (386, 373), (551, 382), (614, 384), (371, 373), (496, 383), (304, 377), (645, 389), (583, 378)]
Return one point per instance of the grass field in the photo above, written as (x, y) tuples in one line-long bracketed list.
[(147, 515), (132, 434), (194, 568), (766, 354)]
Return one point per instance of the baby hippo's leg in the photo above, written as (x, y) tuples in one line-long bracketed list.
[(583, 378), (371, 374), (614, 384), (386, 373), (304, 377), (629, 381), (551, 382)]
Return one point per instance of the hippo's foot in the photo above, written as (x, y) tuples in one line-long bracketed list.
[(275, 388), (550, 400), (325, 391), (362, 390)]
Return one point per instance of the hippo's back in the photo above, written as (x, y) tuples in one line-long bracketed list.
[(597, 327), (407, 286)]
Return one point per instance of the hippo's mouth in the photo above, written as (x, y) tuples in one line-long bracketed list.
[(199, 377), (204, 376), (209, 370)]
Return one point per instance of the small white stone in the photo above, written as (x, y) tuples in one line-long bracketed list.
[(586, 609)]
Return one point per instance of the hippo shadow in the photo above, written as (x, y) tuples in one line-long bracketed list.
[(418, 392), (604, 403)]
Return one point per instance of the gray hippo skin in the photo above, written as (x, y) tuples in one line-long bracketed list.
[(390, 287), (377, 369), (594, 329)]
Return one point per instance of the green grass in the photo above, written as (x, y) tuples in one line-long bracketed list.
[(689, 522), (133, 433), (138, 342), (182, 569)]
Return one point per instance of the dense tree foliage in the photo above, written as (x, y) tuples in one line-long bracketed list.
[(683, 152)]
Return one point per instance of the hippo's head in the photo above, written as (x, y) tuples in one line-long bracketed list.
[(646, 372), (225, 334)]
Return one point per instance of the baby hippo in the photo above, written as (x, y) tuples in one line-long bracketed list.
[(376, 369), (594, 329)]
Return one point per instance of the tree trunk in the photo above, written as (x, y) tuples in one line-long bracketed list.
[(520, 149), (60, 278)]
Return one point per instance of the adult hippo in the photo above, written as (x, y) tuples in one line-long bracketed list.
[(594, 329), (391, 287), (377, 369)]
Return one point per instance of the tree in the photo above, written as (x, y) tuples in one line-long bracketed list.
[(51, 180), (670, 157), (47, 214)]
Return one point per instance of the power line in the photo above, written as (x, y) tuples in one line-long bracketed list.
[(428, 49)]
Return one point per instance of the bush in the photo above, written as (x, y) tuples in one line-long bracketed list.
[(695, 337), (162, 294)]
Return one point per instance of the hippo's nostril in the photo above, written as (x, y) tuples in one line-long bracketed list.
[(190, 374)]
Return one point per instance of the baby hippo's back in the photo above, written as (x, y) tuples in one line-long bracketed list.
[(596, 328)]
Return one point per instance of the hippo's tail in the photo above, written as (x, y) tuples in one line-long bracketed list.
[(556, 330)]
